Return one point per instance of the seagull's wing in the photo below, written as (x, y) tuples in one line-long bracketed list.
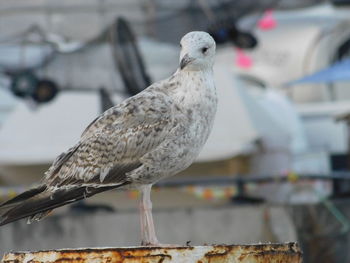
[(114, 143), (111, 147)]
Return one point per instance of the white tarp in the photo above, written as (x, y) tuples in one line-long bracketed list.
[(38, 136), (284, 113)]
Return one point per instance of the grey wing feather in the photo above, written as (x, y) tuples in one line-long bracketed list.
[(110, 147), (114, 143)]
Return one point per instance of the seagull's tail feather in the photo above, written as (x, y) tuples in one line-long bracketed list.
[(37, 203)]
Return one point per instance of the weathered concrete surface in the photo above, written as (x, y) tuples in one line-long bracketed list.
[(269, 253)]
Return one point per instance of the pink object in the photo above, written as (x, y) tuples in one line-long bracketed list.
[(267, 22), (243, 60)]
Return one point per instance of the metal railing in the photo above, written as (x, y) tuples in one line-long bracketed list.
[(238, 180), (243, 179)]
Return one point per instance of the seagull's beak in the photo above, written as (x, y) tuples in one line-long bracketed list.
[(185, 61)]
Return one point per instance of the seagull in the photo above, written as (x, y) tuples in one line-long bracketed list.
[(152, 135)]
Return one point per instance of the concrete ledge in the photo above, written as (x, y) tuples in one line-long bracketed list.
[(273, 253)]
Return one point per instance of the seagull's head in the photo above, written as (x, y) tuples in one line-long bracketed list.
[(197, 51)]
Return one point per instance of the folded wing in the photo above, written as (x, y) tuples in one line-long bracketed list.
[(111, 147)]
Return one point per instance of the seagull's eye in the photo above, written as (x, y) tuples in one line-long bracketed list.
[(204, 50), (180, 46)]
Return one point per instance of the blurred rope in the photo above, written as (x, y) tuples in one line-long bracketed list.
[(338, 215)]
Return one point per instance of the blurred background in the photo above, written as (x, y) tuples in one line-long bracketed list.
[(276, 167)]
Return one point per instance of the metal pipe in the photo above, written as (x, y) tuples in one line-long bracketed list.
[(227, 180)]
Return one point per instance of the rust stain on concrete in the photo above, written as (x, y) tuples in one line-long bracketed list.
[(260, 253)]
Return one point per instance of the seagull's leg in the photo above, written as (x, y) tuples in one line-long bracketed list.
[(148, 233)]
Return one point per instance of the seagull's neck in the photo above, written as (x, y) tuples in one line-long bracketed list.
[(194, 86), (204, 71)]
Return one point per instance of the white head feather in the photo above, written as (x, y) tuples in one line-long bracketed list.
[(197, 51)]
